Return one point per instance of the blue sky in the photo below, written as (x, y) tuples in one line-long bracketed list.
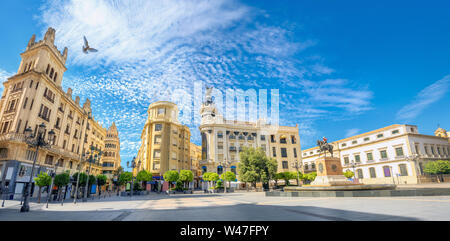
[(341, 67)]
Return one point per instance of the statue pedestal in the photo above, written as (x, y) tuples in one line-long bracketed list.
[(329, 172)]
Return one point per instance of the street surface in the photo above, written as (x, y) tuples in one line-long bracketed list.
[(251, 206)]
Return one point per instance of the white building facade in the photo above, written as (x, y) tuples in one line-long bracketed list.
[(393, 154)]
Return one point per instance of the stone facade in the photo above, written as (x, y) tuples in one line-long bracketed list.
[(222, 140), (34, 96), (395, 154), (165, 143)]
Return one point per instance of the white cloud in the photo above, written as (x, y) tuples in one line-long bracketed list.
[(4, 75), (424, 98), (149, 48), (352, 132)]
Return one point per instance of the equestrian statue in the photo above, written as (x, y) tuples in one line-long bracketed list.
[(324, 146)]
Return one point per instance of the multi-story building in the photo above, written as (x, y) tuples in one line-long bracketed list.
[(442, 133), (34, 96), (393, 154), (111, 155), (223, 140), (165, 142)]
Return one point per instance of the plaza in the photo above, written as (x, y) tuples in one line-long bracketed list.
[(239, 206)]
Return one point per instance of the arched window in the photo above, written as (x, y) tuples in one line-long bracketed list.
[(51, 73), (283, 139), (219, 170), (204, 169), (360, 173), (387, 171)]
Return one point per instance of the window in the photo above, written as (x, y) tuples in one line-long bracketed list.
[(161, 111), (295, 152), (283, 140), (372, 172), (387, 171), (272, 138), (219, 170), (369, 156), (344, 145), (399, 151), (357, 158), (416, 146), (263, 137), (379, 135), (395, 132), (346, 160), (293, 140), (157, 139), (25, 103), (403, 170), (359, 172), (366, 139), (383, 154), (158, 127), (283, 152), (285, 164), (157, 154), (354, 142), (49, 160), (220, 135), (274, 150)]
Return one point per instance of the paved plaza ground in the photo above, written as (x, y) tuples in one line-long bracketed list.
[(251, 206)]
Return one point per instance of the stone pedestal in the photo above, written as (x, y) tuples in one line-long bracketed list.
[(329, 172)]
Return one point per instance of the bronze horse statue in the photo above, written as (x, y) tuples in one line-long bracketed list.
[(324, 147)]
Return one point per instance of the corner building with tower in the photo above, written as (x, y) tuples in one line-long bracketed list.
[(223, 140), (34, 96)]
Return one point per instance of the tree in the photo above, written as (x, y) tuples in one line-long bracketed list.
[(144, 176), (42, 180), (228, 177), (81, 183), (171, 176), (255, 166), (61, 180), (124, 178), (309, 177), (186, 176), (286, 176), (101, 180), (219, 184), (437, 168), (349, 174)]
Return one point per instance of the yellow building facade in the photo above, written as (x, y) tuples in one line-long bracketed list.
[(33, 96), (165, 142)]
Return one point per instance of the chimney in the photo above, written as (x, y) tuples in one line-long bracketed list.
[(77, 100), (69, 92)]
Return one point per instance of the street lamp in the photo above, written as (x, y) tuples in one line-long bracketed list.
[(133, 165), (37, 141), (225, 163), (94, 156), (352, 164), (297, 165)]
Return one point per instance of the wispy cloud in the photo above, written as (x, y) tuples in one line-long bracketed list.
[(352, 132), (424, 98), (4, 75)]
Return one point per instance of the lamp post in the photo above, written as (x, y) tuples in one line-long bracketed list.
[(297, 165), (352, 164), (83, 158), (225, 163), (94, 155), (52, 174), (37, 141), (132, 166)]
